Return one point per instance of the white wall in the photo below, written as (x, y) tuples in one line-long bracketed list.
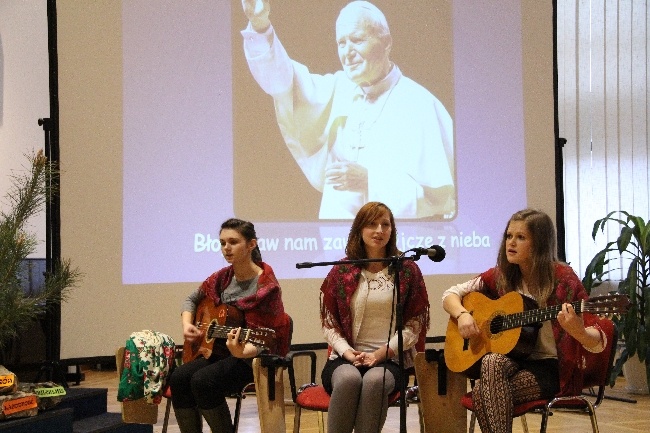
[(24, 91)]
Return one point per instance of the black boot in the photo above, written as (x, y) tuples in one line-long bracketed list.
[(189, 420), (219, 419)]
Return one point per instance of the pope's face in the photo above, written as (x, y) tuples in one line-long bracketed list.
[(363, 54)]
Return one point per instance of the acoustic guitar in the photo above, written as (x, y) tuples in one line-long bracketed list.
[(214, 322), (505, 327)]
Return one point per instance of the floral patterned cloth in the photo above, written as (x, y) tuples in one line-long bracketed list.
[(148, 359)]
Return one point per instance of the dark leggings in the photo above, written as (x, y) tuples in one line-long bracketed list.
[(505, 383), (206, 383)]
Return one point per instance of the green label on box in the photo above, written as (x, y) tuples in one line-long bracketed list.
[(50, 392)]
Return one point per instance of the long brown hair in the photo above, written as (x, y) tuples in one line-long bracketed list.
[(355, 249), (544, 256)]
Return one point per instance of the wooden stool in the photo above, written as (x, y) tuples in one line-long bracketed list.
[(269, 386), (440, 401)]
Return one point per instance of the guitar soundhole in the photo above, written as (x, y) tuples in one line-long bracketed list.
[(209, 335), (496, 325)]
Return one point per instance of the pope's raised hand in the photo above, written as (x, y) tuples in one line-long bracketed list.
[(257, 12)]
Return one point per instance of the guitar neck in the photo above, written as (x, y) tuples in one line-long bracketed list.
[(517, 320), (220, 331)]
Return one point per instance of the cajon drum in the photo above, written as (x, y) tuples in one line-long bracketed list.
[(269, 390), (440, 392)]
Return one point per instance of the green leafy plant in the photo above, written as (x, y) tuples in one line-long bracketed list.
[(27, 195), (630, 252)]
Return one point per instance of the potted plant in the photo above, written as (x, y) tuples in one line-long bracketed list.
[(632, 252), (25, 198)]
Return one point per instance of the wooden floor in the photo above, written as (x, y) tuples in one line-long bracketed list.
[(614, 416)]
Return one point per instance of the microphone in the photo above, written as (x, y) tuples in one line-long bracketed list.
[(434, 252)]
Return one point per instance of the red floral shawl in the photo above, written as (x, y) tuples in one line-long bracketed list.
[(343, 280), (264, 309), (568, 288)]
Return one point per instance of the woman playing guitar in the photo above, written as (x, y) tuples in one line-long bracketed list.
[(527, 263), (217, 352)]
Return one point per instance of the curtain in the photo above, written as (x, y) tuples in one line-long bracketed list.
[(602, 51)]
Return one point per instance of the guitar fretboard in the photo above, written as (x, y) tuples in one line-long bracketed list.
[(256, 337), (220, 331), (516, 320)]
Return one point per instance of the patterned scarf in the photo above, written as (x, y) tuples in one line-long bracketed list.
[(263, 309)]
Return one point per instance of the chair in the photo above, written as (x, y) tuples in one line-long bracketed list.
[(312, 396), (597, 371), (248, 389)]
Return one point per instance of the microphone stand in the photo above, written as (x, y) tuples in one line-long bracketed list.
[(395, 265)]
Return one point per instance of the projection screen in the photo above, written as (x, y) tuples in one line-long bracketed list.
[(165, 133)]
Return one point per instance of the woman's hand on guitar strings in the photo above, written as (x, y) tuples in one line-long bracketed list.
[(191, 332), (233, 344), (572, 323), (570, 320), (237, 348), (467, 327)]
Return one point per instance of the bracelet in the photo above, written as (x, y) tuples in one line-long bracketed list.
[(461, 313)]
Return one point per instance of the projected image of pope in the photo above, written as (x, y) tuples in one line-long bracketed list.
[(363, 133)]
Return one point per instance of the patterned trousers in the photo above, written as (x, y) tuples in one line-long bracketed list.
[(504, 384)]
